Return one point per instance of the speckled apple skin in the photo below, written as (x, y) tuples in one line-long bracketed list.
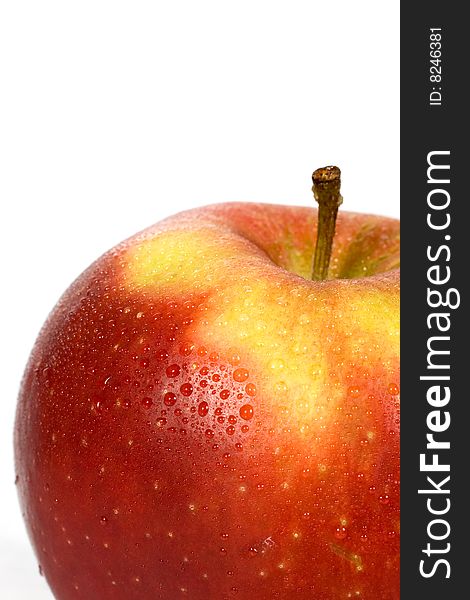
[(200, 420)]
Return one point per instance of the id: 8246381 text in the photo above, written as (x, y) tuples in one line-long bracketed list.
[(435, 66)]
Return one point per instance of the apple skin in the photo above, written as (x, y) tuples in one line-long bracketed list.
[(200, 420)]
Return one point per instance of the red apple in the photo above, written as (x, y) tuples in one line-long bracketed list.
[(199, 419)]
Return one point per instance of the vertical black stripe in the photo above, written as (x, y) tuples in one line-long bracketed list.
[(426, 128)]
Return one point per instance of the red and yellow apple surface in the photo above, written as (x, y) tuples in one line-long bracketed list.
[(199, 419)]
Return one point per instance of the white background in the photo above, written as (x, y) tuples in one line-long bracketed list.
[(116, 114)]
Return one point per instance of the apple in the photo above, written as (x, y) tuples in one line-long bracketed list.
[(200, 419)]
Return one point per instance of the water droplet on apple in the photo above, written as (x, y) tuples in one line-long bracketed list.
[(384, 499), (147, 402), (232, 419), (224, 394), (209, 433), (203, 409), (240, 375), (393, 389), (234, 358), (250, 389), (186, 348), (173, 370), (230, 430), (161, 355), (277, 364), (169, 399), (186, 389), (246, 412), (340, 533), (354, 392), (47, 374)]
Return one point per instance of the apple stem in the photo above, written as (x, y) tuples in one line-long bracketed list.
[(326, 190)]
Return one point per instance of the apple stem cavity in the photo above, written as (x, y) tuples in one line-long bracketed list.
[(326, 190)]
